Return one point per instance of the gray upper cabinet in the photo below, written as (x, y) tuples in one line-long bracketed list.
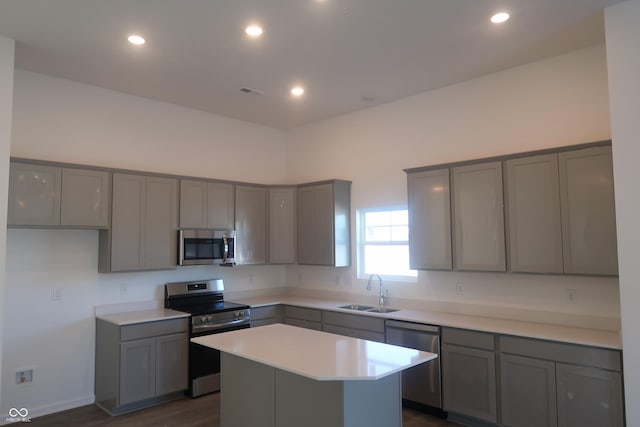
[(143, 234), (324, 211), (533, 214), (206, 204), (52, 196), (588, 211), (429, 220), (251, 225), (282, 225), (478, 217)]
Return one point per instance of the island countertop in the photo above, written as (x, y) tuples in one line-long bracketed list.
[(317, 355)]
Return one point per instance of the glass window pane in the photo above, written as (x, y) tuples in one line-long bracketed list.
[(377, 218), (378, 234), (390, 260), (400, 233), (399, 217)]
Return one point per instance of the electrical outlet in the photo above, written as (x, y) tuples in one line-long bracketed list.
[(572, 296), (459, 288), (56, 295), (25, 376)]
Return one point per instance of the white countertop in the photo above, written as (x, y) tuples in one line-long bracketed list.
[(568, 334), (142, 316), (317, 355)]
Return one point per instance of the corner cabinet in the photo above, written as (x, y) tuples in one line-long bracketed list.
[(53, 196), (324, 217), (251, 225), (478, 217), (429, 220), (282, 225), (139, 365), (143, 234), (206, 204)]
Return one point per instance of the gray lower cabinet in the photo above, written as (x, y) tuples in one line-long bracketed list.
[(429, 220), (532, 194), (469, 375), (324, 217), (251, 225), (143, 234), (478, 217), (266, 315), (547, 383), (588, 211), (303, 317), (353, 325), (139, 365), (206, 204), (53, 196), (282, 225)]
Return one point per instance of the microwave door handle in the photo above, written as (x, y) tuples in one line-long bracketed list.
[(225, 249)]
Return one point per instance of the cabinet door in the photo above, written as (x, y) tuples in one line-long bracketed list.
[(137, 370), (324, 224), (251, 225), (429, 220), (161, 223), (127, 222), (85, 198), (171, 363), (220, 205), (528, 390), (193, 204), (533, 209), (34, 194), (469, 382), (306, 226), (282, 225), (589, 397), (588, 212), (478, 216)]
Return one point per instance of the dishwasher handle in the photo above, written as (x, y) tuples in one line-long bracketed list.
[(412, 326)]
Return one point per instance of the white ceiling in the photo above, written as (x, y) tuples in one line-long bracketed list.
[(348, 54)]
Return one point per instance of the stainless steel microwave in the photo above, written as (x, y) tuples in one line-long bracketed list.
[(202, 247)]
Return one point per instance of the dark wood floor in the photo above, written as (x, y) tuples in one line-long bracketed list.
[(200, 412)]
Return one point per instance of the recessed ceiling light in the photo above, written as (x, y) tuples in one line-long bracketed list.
[(297, 91), (253, 30), (136, 39), (500, 17)]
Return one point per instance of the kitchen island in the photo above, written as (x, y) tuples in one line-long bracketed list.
[(285, 376)]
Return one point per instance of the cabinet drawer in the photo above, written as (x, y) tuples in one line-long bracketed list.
[(353, 321), (468, 338), (153, 329), (561, 352), (302, 313), (267, 312), (301, 323)]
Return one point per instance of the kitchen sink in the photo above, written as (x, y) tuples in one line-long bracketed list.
[(357, 307), (368, 308), (381, 310)]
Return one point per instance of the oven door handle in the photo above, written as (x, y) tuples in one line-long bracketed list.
[(220, 325)]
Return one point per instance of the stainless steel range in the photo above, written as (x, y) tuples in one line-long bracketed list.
[(210, 314)]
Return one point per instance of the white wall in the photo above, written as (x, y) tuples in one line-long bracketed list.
[(623, 59), (60, 120), (556, 102), (7, 48)]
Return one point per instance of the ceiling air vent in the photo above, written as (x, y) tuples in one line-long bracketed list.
[(249, 90)]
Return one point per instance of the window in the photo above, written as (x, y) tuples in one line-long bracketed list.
[(383, 244)]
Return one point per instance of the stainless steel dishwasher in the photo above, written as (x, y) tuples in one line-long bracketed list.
[(420, 384)]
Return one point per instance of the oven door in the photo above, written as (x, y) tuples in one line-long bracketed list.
[(203, 247), (204, 362)]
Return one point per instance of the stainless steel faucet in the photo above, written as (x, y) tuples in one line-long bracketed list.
[(381, 294)]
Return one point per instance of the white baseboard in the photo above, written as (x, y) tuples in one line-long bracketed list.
[(39, 411)]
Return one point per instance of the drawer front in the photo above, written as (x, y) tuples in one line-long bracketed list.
[(366, 323), (302, 313), (308, 324), (561, 352), (468, 338), (268, 312), (154, 329)]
